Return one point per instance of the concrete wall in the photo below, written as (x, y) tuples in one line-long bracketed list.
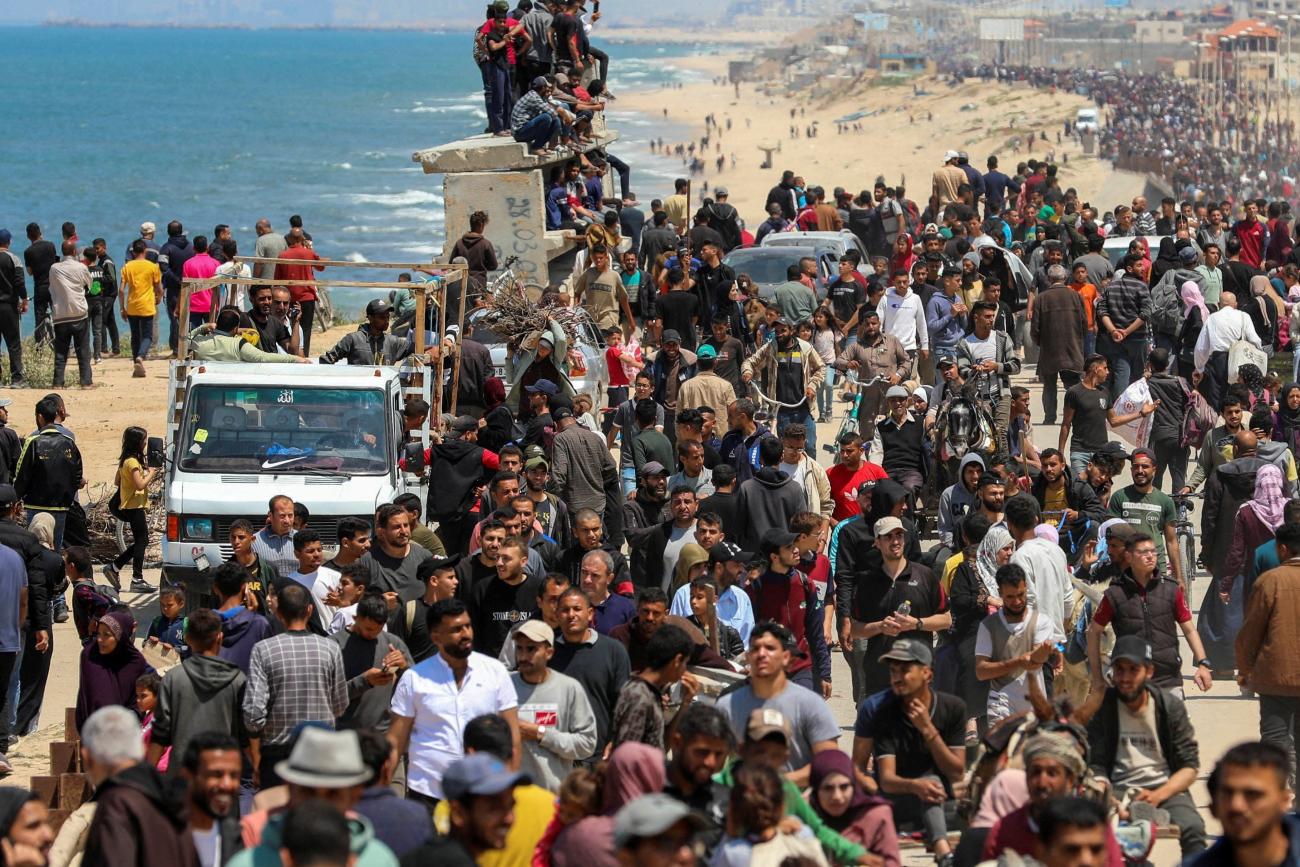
[(516, 215)]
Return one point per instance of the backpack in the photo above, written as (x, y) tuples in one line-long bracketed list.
[(1166, 307), (1198, 418), (115, 505)]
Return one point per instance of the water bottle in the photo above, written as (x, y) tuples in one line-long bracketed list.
[(904, 611)]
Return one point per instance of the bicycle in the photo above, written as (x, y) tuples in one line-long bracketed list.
[(852, 422), (1185, 534)]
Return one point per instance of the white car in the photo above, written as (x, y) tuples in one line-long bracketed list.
[(1086, 120), (836, 243)]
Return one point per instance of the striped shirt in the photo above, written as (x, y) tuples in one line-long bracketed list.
[(276, 550), (294, 677)]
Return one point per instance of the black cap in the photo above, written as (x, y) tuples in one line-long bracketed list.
[(377, 306), (8, 496), (775, 539), (448, 562), (560, 413), (727, 552), (1134, 648)]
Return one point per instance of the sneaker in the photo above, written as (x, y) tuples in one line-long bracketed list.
[(110, 572), (5, 768), (18, 383), (61, 615), (139, 585), (138, 372)]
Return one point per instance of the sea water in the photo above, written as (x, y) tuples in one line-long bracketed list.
[(110, 127)]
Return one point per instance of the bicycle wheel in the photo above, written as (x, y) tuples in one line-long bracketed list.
[(1187, 556)]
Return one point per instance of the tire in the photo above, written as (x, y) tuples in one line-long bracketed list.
[(1187, 556)]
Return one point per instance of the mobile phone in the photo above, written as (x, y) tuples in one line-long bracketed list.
[(595, 7)]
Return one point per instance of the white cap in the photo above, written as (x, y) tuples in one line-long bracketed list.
[(950, 155), (147, 228)]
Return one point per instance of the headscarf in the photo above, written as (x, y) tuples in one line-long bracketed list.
[(12, 801), (902, 261), (1192, 299), (108, 679), (1048, 532), (1006, 793), (494, 391), (42, 527), (829, 762), (1259, 290), (1252, 378), (634, 769), (1057, 746), (886, 495), (986, 557), (1268, 502), (690, 556), (1288, 419)]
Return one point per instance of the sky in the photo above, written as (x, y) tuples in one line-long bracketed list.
[(309, 12)]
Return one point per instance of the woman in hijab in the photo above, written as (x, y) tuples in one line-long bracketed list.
[(903, 257), (110, 666), (1286, 421), (1250, 376), (499, 425), (1261, 310), (25, 826), (633, 770), (837, 796), (34, 670), (1256, 523), (1195, 312), (1166, 259), (974, 595)]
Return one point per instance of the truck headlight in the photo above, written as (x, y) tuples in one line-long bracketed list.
[(198, 528)]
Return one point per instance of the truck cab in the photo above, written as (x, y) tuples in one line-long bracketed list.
[(328, 436)]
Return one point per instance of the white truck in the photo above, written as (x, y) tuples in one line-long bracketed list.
[(328, 436)]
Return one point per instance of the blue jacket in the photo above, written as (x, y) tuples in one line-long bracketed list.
[(945, 328), (1220, 854)]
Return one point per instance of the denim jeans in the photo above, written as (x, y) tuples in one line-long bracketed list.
[(95, 304), (1089, 343), (1127, 359), (73, 336), (628, 475), (826, 394), (141, 335), (538, 131), (802, 415), (1068, 378), (1079, 462)]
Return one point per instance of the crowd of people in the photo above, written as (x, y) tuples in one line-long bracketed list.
[(608, 634)]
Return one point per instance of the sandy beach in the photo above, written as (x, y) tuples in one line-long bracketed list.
[(903, 139)]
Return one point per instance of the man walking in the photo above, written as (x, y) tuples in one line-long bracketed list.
[(69, 283), (1123, 310), (49, 472), (40, 256), (1012, 646), (171, 259), (556, 723), (13, 304), (270, 244), (903, 316), (791, 372), (1058, 330)]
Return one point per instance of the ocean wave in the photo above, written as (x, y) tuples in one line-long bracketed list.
[(424, 249), (442, 109), (397, 200), (355, 257), (340, 165), (371, 230), (423, 215)]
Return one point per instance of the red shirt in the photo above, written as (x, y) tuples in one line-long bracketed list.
[(1012, 833), (511, 24), (844, 486), (1106, 613), (290, 271), (1251, 236), (614, 361), (784, 599)]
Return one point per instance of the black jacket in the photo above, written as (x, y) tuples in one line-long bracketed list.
[(570, 563), (475, 368), (1173, 728), (1079, 496), (362, 347), (24, 542), (13, 286), (171, 260), (648, 555), (49, 470), (1167, 420), (455, 469)]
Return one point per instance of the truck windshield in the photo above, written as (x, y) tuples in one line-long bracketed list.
[(284, 430)]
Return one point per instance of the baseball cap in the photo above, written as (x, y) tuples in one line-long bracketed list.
[(148, 228), (539, 82), (868, 485), (764, 722), (720, 191), (653, 468), (1113, 450), (651, 815), (464, 424), (945, 360), (500, 6), (1121, 532), (987, 478), (706, 351), (1134, 648), (448, 562), (950, 155), (1187, 254), (903, 650), (377, 306), (538, 461), (886, 525), (4, 401), (670, 335), (544, 386), (479, 774), (560, 413), (537, 630), (775, 539), (727, 552), (897, 391)]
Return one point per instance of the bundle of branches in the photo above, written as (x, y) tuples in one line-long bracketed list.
[(108, 538), (514, 317)]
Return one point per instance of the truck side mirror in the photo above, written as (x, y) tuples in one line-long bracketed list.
[(156, 452), (414, 458)]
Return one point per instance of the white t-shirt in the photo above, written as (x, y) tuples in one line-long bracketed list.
[(794, 471), (678, 539), (986, 350), (208, 845), (428, 695), (344, 618), (321, 583), (1014, 697)]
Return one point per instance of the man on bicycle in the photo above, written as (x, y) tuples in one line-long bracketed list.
[(791, 372)]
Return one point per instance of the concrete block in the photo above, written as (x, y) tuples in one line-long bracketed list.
[(57, 818), (487, 153), (46, 789), (74, 790), (516, 216), (64, 757)]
